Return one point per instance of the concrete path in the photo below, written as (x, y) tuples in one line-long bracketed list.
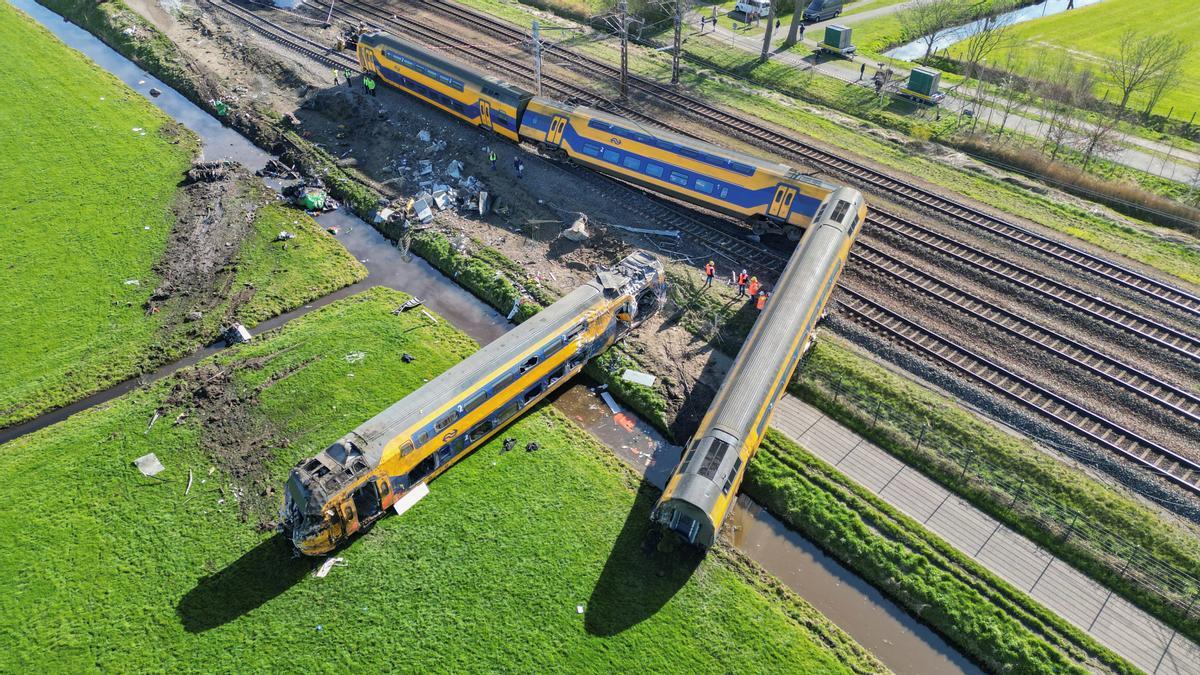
[(1113, 622), (848, 71)]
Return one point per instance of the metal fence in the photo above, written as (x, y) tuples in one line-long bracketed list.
[(968, 470)]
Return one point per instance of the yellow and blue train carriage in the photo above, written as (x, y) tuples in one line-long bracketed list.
[(353, 482), (703, 488), (772, 196), (484, 101)]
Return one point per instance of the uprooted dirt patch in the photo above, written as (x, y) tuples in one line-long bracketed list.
[(214, 214), (240, 442)]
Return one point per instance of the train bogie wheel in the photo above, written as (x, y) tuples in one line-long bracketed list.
[(758, 226), (794, 233)]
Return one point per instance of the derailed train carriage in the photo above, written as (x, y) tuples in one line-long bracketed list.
[(700, 493), (771, 197), (351, 484)]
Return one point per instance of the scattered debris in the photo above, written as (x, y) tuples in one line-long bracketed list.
[(189, 485), (323, 570), (674, 234), (355, 357), (407, 358), (636, 377), (210, 172), (193, 316), (155, 92), (454, 169), (132, 282), (625, 421), (421, 210), (237, 334), (277, 169), (612, 404), (579, 609), (430, 316), (423, 136), (152, 421), (411, 303), (384, 215), (509, 444), (513, 312), (532, 447), (577, 231), (149, 465), (410, 498)]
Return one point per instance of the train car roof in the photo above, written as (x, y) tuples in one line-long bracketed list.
[(688, 142), (473, 371), (448, 64)]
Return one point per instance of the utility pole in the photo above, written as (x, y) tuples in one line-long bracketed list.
[(678, 41), (623, 9), (537, 58)]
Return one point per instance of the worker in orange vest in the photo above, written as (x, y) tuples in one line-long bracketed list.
[(741, 282), (709, 271), (754, 286), (762, 299)]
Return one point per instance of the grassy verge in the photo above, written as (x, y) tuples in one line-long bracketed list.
[(1090, 526), (486, 572), (90, 215), (997, 625)]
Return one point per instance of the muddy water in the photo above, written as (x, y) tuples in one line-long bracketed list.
[(877, 623), (902, 643)]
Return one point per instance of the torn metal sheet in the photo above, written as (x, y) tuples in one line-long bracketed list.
[(323, 570), (636, 377), (674, 234), (149, 465), (411, 498), (612, 404)]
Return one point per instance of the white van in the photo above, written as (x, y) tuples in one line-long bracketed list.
[(749, 8)]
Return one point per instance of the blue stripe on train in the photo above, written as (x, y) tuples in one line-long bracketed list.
[(738, 196)]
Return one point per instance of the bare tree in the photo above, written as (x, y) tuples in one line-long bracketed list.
[(797, 16), (1065, 89), (926, 20), (1167, 79), (1140, 61), (993, 33), (766, 48), (1098, 137)]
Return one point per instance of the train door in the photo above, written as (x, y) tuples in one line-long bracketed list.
[(554, 134), (781, 203), (485, 114), (366, 501)]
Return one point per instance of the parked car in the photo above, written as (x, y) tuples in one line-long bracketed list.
[(823, 10)]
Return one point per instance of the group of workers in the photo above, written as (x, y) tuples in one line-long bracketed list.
[(748, 286), (369, 82)]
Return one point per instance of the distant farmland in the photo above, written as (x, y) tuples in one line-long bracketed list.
[(1094, 32)]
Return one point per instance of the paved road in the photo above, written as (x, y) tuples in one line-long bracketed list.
[(1181, 167), (1144, 640)]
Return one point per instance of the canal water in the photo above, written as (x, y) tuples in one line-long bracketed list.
[(916, 49), (902, 643)]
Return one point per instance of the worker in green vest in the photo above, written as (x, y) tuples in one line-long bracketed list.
[(349, 74), (370, 83)]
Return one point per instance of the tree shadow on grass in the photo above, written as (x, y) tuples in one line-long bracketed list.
[(261, 574), (638, 578)]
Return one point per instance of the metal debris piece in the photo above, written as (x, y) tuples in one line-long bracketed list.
[(423, 136), (323, 570), (149, 465), (636, 377), (411, 498), (454, 169), (355, 357), (577, 230), (675, 234), (407, 358), (612, 404)]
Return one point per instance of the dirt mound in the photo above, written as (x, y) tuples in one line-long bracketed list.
[(214, 212), (240, 442)]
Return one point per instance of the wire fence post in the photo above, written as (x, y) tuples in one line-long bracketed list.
[(967, 463), (921, 436), (875, 418), (1071, 528)]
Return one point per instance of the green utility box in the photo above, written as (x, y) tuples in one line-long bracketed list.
[(837, 40), (923, 84)]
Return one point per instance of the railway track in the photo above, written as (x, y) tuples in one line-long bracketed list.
[(992, 376), (1166, 293), (286, 38), (1091, 425)]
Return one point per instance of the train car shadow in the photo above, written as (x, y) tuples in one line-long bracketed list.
[(262, 573), (638, 578)]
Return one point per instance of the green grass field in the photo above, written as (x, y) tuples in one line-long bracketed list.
[(1094, 33), (90, 171), (106, 569)]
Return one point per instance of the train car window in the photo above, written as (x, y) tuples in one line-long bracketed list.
[(705, 186), (732, 475), (712, 461), (506, 412), (840, 209), (591, 149), (406, 448), (422, 438), (654, 170), (445, 420), (533, 393), (611, 156), (745, 169), (556, 375), (601, 125), (551, 348), (678, 178), (337, 452), (632, 162), (529, 363), (473, 402), (574, 333), (477, 431), (399, 483), (724, 192)]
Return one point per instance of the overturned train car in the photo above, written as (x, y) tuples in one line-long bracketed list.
[(703, 487), (353, 482)]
